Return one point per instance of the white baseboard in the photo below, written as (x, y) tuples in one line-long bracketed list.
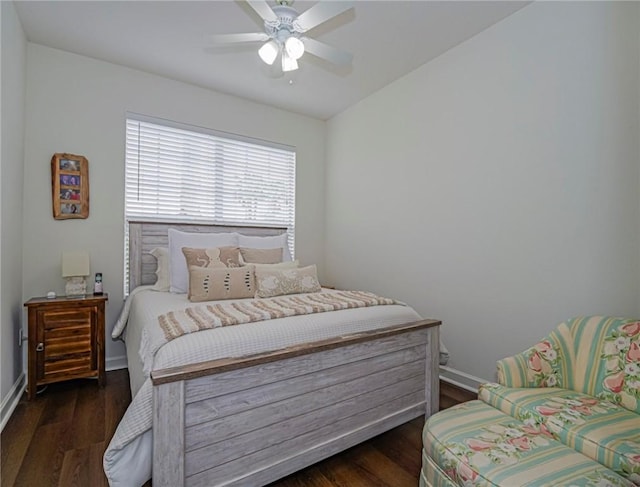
[(11, 400), (461, 379), (116, 363)]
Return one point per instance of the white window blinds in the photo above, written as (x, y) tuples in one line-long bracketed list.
[(191, 174)]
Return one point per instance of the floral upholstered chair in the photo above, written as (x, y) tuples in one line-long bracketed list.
[(582, 383)]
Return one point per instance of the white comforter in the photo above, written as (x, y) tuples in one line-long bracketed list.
[(127, 460)]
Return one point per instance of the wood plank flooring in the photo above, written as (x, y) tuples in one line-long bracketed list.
[(59, 438)]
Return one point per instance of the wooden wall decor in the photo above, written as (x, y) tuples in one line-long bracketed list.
[(70, 186)]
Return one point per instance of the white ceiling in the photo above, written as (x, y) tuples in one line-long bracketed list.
[(387, 39)]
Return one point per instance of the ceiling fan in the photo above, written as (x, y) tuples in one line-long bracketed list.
[(284, 33)]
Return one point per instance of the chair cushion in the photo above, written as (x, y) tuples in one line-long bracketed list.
[(599, 429), (474, 444)]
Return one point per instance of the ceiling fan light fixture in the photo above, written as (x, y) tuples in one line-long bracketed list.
[(269, 51), (288, 63), (294, 47), (285, 31)]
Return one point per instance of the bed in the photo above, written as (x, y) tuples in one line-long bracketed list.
[(249, 404)]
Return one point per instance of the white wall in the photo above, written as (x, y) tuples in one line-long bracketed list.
[(14, 47), (497, 187), (77, 104)]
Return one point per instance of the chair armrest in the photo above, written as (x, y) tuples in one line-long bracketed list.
[(512, 371), (538, 366)]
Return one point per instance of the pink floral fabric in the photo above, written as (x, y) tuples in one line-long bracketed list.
[(621, 354), (570, 417), (543, 364), (496, 444), (476, 445)]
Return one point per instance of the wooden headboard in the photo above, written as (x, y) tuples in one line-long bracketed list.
[(145, 236)]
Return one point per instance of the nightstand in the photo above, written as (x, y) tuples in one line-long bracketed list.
[(66, 339)]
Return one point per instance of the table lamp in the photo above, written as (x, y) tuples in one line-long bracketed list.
[(75, 268)]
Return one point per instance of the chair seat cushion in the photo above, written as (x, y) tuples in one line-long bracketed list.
[(599, 429), (474, 444)]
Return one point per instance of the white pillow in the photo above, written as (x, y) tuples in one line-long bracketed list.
[(271, 242), (178, 272), (162, 270)]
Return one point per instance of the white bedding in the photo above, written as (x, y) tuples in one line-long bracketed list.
[(127, 460)]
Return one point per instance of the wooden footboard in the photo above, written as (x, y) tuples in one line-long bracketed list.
[(252, 420)]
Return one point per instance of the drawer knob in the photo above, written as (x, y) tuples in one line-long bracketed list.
[(40, 347)]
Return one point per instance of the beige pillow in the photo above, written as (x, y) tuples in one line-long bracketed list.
[(162, 269), (209, 258), (230, 256), (261, 256), (210, 284), (276, 282)]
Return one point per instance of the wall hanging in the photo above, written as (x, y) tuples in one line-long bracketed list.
[(70, 186)]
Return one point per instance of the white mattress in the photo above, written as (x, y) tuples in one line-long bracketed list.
[(127, 460)]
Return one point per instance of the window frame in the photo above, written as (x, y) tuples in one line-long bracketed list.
[(212, 150)]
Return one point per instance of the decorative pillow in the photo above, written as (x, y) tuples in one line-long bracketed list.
[(209, 284), (230, 256), (271, 283), (203, 257), (178, 271), (261, 256), (162, 270), (271, 242)]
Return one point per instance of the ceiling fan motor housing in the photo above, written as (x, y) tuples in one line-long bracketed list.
[(284, 27)]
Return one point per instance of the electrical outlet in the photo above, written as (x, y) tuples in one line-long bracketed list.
[(20, 337)]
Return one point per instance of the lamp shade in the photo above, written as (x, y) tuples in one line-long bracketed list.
[(269, 51), (288, 63), (294, 47), (75, 264)]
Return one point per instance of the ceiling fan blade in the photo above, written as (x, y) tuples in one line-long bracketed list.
[(319, 13), (263, 9), (238, 38), (327, 52)]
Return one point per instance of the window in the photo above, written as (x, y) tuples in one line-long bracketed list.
[(181, 173)]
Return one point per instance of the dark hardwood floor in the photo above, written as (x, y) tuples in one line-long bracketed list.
[(59, 438)]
